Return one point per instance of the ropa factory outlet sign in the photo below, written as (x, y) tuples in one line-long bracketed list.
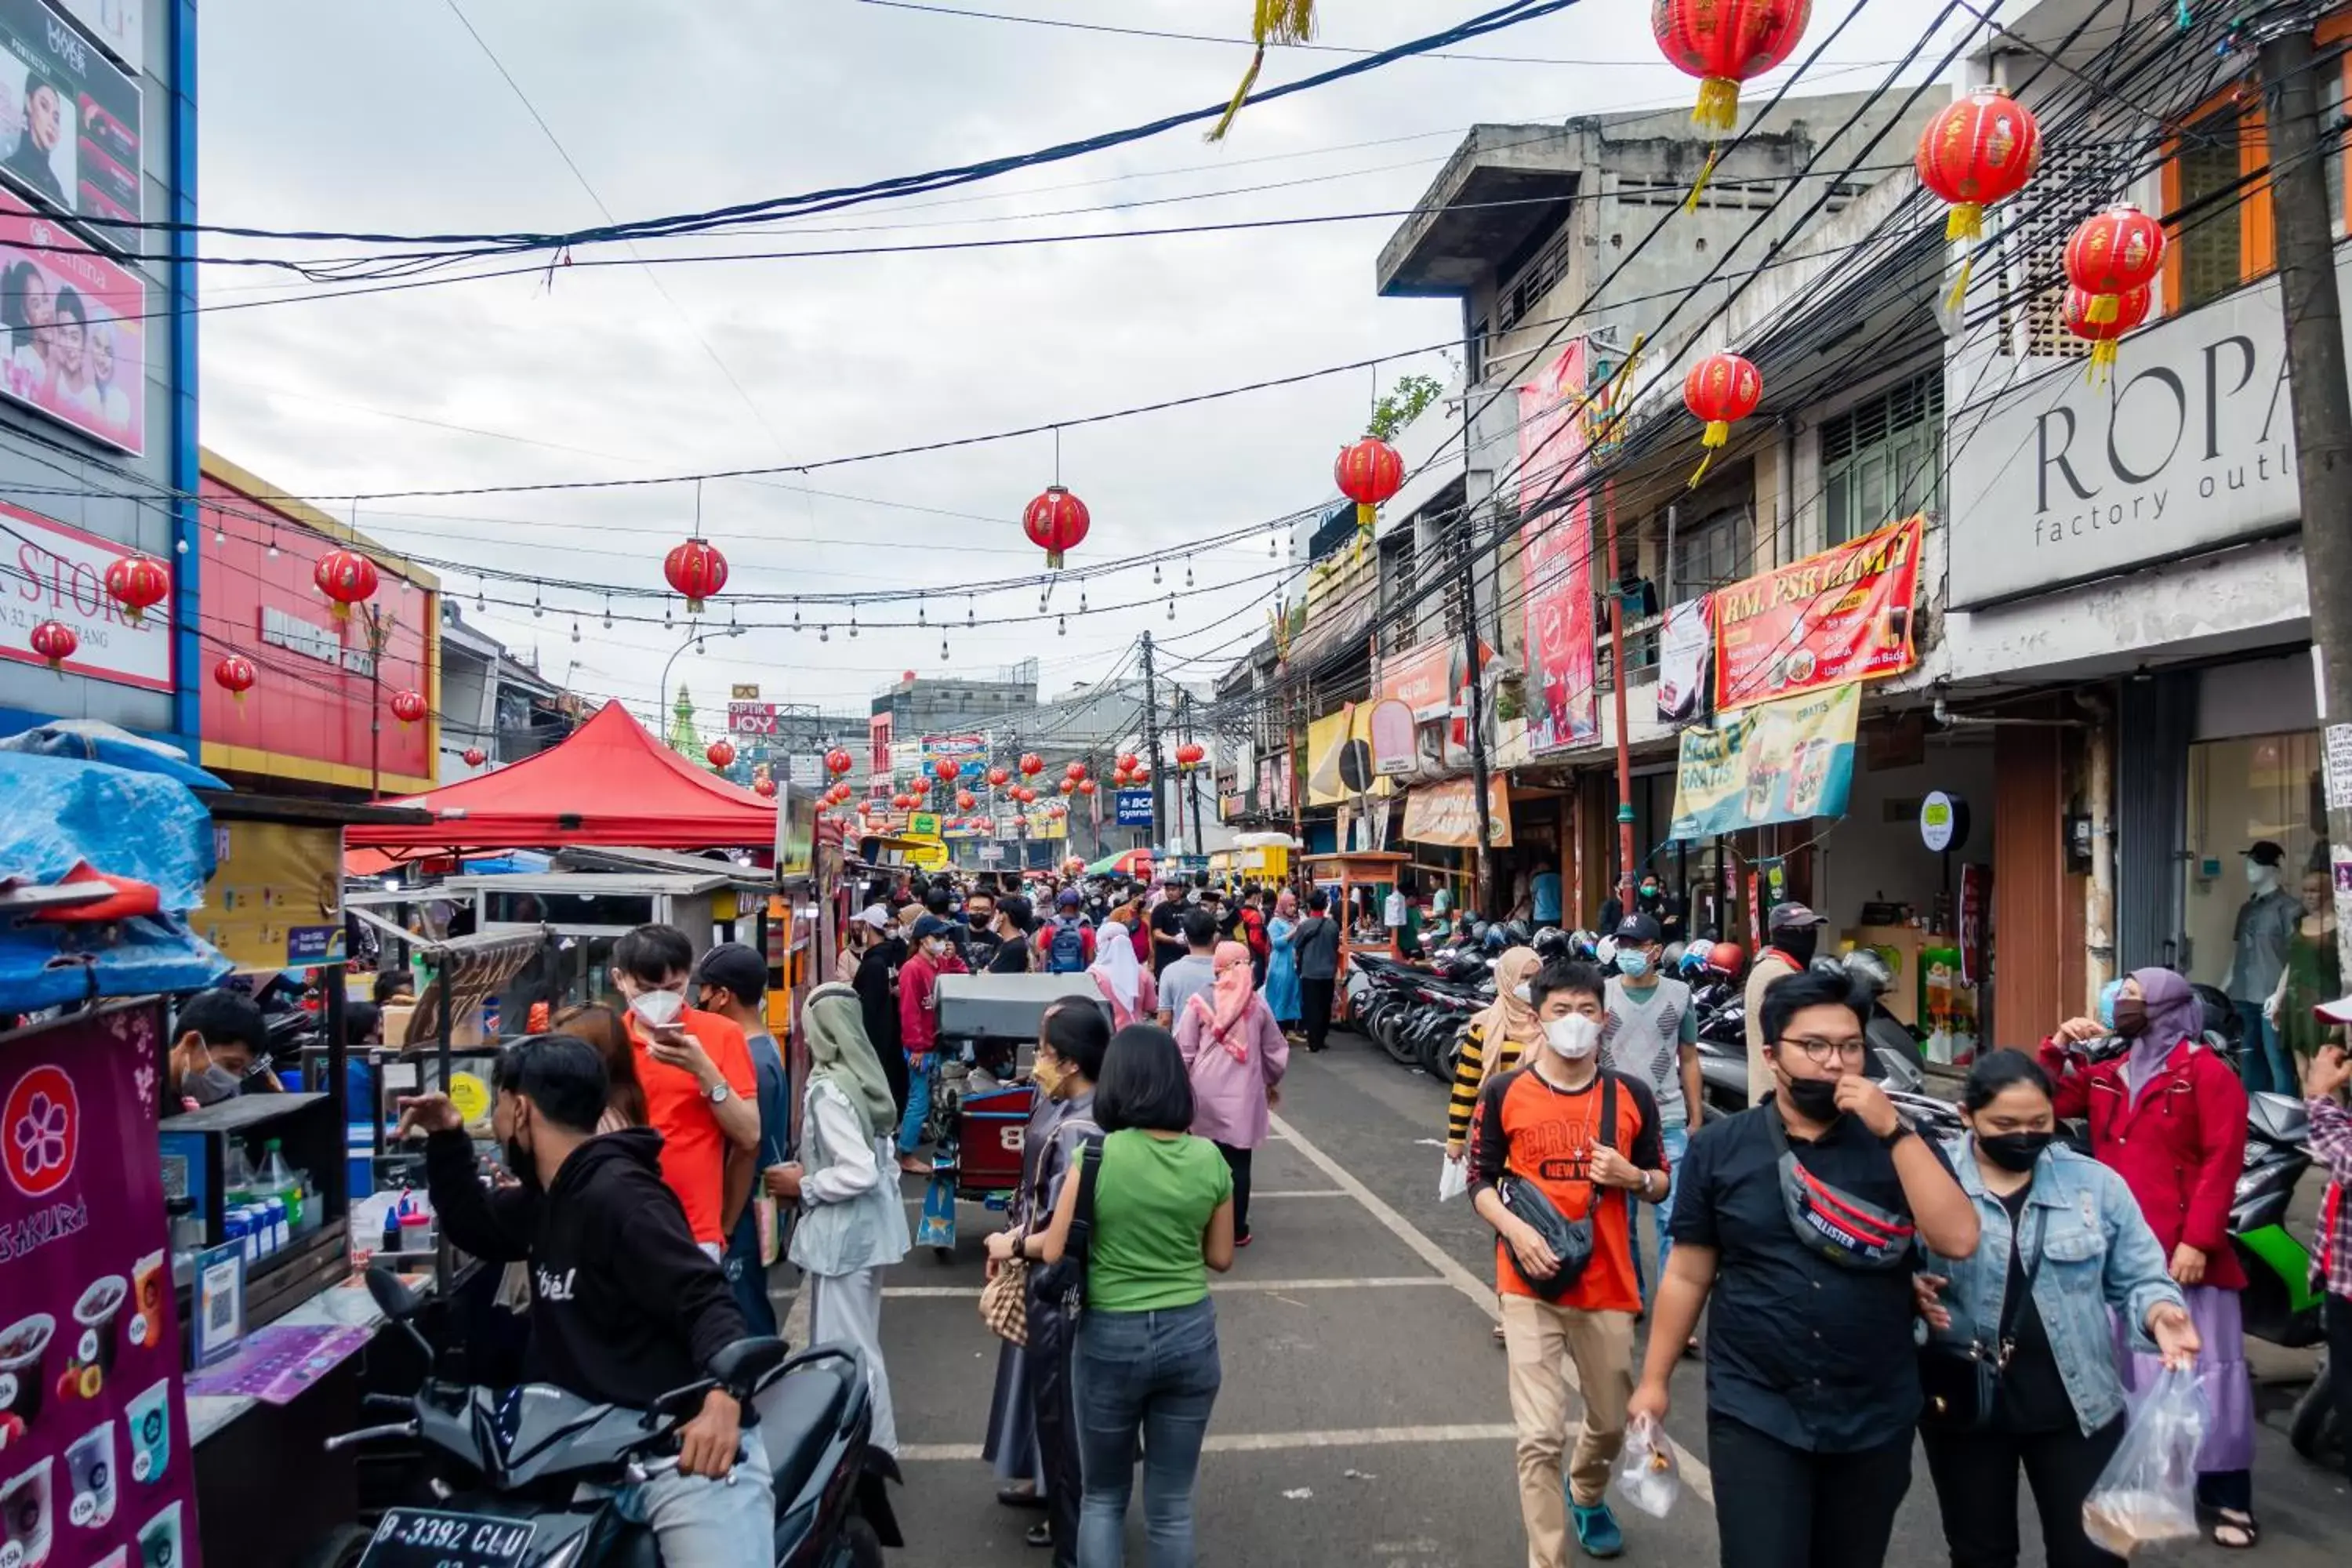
[(2191, 446)]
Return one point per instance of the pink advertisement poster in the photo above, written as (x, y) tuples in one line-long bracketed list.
[(95, 1470), (1555, 557), (73, 333)]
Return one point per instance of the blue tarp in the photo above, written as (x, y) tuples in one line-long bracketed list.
[(49, 966), (90, 742)]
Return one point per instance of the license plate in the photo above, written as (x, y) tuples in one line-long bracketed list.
[(423, 1538)]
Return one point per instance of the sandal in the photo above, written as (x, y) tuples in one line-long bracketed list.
[(2235, 1531)]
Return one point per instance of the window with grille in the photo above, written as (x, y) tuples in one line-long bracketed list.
[(1883, 457), (1711, 553), (1526, 290), (2213, 249)]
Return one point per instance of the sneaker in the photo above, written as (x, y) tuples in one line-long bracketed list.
[(1243, 1239), (1596, 1530)]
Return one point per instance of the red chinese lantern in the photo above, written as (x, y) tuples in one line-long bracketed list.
[(2109, 255), (1085, 786), (54, 641), (1074, 772), (346, 577), (838, 762), (1025, 795), (764, 787), (1056, 522), (1069, 786), (1032, 764), (966, 800), (138, 583), (1189, 755), (1142, 775), (945, 770), (1369, 473), (1722, 389), (1128, 763), (2130, 310), (1724, 42), (1972, 153), (235, 674), (720, 753), (1118, 778), (899, 800), (997, 778), (408, 706), (696, 571), (475, 756)]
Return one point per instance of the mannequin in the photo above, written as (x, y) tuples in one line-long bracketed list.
[(2265, 926)]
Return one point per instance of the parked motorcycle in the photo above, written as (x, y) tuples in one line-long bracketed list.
[(507, 1467), (2278, 1303)]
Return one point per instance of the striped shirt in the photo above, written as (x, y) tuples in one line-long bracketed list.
[(1470, 1073), (2331, 1145)]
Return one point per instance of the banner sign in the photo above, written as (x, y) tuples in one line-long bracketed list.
[(1774, 761), (1340, 757), (1556, 558), (968, 752), (1841, 615), (74, 344), (56, 573), (1448, 813), (68, 117), (1134, 808), (751, 717), (118, 26), (977, 826), (1687, 662)]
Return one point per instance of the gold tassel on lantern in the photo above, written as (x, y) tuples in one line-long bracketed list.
[(1718, 104), (1052, 561), (1717, 436), (2103, 308), (2103, 360), (1277, 22), (1965, 222)]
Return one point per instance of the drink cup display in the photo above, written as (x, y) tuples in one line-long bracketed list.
[(89, 1473), (96, 1312), (149, 1280), (158, 1540), (149, 1422), (23, 1345), (25, 1526)]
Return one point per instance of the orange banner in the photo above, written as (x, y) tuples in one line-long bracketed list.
[(1841, 615)]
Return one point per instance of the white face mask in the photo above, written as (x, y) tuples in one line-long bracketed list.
[(1575, 1036), (1525, 993), (657, 1009), (2261, 878)]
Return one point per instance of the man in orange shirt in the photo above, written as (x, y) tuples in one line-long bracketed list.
[(1559, 1129), (701, 1093)]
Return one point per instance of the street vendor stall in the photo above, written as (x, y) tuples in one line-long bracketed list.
[(1359, 884)]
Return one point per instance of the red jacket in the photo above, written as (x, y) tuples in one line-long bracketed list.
[(2181, 1147), (918, 1000)]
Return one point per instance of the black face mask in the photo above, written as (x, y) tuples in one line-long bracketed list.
[(519, 1164), (1798, 942), (2014, 1151), (1815, 1098), (2131, 1017)]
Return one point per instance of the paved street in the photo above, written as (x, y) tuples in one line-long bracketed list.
[(1363, 1418)]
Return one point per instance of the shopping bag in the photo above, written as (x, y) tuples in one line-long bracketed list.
[(2147, 1493), (1453, 1178), (1647, 1476)]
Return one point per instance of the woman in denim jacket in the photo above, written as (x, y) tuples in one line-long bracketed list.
[(2065, 1232)]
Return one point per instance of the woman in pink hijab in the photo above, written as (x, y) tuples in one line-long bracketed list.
[(1237, 1055)]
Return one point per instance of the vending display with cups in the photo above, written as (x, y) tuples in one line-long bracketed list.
[(94, 1457)]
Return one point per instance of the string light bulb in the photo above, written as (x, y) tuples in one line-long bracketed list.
[(181, 545), (575, 628), (920, 612), (220, 534), (608, 612), (943, 648), (538, 610), (1171, 606), (967, 611), (1155, 574), (273, 542), (1062, 627), (824, 634), (1188, 571), (1082, 601)]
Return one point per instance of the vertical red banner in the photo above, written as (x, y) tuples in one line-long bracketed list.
[(1555, 556)]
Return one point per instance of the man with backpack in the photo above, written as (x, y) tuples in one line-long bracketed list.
[(1065, 944)]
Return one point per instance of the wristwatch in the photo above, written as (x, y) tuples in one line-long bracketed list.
[(717, 1092), (1902, 1129)]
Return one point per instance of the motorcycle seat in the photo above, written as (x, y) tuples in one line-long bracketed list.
[(799, 1419), (632, 1546)]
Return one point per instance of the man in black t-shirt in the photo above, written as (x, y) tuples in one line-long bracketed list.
[(1167, 928)]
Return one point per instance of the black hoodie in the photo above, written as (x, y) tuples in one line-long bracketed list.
[(624, 1306)]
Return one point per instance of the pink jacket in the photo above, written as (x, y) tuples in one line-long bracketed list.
[(1147, 1000), (1228, 1095)]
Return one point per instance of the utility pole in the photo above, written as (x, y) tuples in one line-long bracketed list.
[(1617, 680), (2303, 238), (1151, 736), (1480, 884), (1191, 782)]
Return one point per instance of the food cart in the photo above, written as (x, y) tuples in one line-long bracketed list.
[(1355, 882)]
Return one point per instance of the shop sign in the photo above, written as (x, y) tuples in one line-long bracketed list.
[(282, 628), (1448, 813), (1428, 682), (1776, 762), (1685, 660), (1841, 615), (82, 357), (2191, 447), (968, 752), (98, 1459), (979, 827), (1976, 898), (1943, 822), (751, 717), (1556, 558), (743, 693), (1392, 736), (56, 573), (1340, 757), (118, 26), (1133, 808)]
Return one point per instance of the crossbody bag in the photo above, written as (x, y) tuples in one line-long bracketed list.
[(1962, 1382)]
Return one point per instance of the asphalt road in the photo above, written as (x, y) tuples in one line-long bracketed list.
[(1364, 1420)]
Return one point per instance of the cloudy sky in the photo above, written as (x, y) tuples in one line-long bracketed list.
[(393, 117)]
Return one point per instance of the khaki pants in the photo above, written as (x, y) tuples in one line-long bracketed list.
[(1541, 1341)]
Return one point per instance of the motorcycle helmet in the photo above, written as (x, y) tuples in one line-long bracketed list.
[(1550, 942), (1671, 959), (1518, 934), (1870, 970), (1727, 958), (1582, 944)]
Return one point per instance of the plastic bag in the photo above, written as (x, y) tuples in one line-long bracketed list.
[(1647, 1475), (2147, 1493), (1453, 1178)]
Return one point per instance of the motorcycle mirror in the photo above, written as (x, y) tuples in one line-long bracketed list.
[(393, 1295), (683, 1402), (743, 1367)]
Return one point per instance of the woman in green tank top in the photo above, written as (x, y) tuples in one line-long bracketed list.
[(1146, 1348)]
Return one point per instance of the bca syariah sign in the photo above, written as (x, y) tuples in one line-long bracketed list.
[(2192, 447)]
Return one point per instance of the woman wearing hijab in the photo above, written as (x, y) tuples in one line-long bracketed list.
[(1282, 964), (1235, 1055), (2170, 1117), (1125, 985), (1492, 1043), (852, 1224)]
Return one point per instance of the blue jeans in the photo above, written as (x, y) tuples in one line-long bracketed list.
[(703, 1523), (1155, 1374), (745, 1278), (1675, 1140), (921, 1074), (2262, 1061)]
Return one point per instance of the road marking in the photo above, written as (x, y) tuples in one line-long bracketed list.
[(1299, 1193), (1694, 1473), (1219, 1287), (1260, 1442)]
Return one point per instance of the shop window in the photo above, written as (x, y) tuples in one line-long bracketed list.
[(1883, 457), (2243, 792), (2212, 240)]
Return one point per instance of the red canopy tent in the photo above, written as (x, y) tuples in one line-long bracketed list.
[(610, 782)]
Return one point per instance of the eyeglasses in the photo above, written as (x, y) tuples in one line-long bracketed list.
[(1820, 1053)]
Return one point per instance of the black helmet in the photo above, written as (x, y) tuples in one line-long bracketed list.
[(1550, 942)]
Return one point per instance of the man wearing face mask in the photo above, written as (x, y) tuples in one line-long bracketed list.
[(624, 1305), (219, 1038), (1796, 933), (701, 1091), (919, 1030), (1578, 1135), (2265, 926), (1799, 1218), (1651, 1034)]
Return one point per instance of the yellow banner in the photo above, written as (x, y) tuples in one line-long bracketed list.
[(1776, 762), (1448, 813), (1339, 756)]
